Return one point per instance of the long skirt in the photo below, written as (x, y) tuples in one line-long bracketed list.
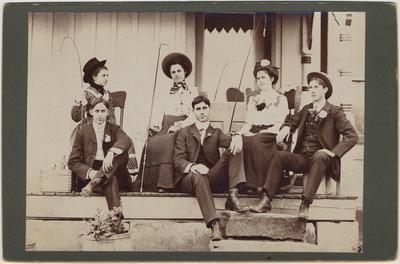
[(159, 168), (257, 154)]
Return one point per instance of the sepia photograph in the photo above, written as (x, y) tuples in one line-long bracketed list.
[(195, 131)]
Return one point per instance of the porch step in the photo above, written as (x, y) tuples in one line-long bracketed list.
[(239, 245), (178, 206), (264, 225)]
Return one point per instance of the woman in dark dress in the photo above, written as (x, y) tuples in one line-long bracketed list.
[(266, 112), (173, 112)]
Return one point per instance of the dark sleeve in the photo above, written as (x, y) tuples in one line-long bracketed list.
[(224, 140), (181, 156), (122, 140), (75, 161), (349, 134), (293, 121)]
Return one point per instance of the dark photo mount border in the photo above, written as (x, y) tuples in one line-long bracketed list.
[(380, 166)]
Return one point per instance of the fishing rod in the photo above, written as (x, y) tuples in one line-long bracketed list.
[(80, 72), (244, 67), (220, 78), (151, 115)]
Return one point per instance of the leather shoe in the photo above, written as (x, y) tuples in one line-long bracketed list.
[(303, 210), (263, 205), (232, 202), (163, 190), (215, 231)]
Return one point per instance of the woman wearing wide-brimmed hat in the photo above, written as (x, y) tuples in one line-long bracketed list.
[(96, 75), (266, 112), (173, 111)]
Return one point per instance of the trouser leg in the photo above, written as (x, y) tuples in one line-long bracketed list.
[(318, 163), (283, 160), (237, 175), (199, 185), (111, 192), (218, 175)]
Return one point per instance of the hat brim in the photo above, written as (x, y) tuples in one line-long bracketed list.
[(325, 78), (176, 58)]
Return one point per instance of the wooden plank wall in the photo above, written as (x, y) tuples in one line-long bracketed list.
[(128, 41)]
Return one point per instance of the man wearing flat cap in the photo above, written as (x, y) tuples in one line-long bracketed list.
[(318, 148)]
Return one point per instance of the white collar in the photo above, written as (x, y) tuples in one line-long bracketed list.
[(202, 125), (319, 105), (102, 126)]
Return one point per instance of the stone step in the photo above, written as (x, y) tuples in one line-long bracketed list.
[(262, 246), (264, 225), (145, 235), (179, 206), (174, 235)]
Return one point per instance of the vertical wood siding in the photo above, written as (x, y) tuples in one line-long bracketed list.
[(128, 41)]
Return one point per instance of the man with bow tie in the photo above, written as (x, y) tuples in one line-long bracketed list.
[(200, 169), (318, 148), (99, 156)]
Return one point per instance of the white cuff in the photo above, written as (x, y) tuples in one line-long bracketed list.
[(88, 174), (116, 151), (187, 169)]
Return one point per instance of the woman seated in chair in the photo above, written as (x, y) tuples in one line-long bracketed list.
[(266, 112), (96, 75), (172, 111)]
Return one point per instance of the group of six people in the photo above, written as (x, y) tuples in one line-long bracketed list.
[(182, 152)]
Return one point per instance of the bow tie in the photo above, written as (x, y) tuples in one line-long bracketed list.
[(202, 129), (313, 112), (260, 107), (175, 88)]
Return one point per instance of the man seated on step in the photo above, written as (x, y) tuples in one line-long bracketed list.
[(99, 155), (200, 170), (318, 148)]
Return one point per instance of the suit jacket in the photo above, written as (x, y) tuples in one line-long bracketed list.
[(84, 148), (329, 131), (187, 147)]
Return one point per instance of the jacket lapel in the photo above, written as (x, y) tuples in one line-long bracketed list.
[(327, 108), (303, 120), (195, 133), (92, 134), (107, 133), (209, 132)]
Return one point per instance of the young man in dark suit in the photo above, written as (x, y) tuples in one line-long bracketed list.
[(99, 156), (318, 148), (199, 167)]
